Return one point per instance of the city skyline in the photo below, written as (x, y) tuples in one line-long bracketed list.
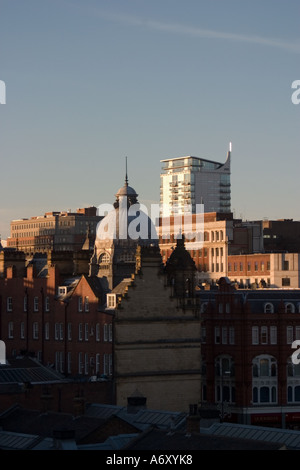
[(88, 83)]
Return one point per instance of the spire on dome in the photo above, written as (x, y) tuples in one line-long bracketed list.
[(126, 176)]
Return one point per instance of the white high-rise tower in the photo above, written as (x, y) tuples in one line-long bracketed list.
[(187, 181)]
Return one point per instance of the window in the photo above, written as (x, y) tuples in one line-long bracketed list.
[(22, 332), (110, 365), (264, 335), (80, 332), (227, 307), (97, 363), (273, 334), (56, 331), (111, 300), (256, 266), (61, 331), (220, 308), (249, 266), (289, 307), (69, 365), (47, 304), (97, 332), (36, 304), (104, 260), (268, 308), (224, 335), (47, 330), (25, 303), (80, 363), (10, 329), (35, 330), (254, 334), (79, 304), (62, 290), (217, 335), (105, 333), (86, 304), (285, 266), (285, 282), (86, 363), (86, 331), (9, 304), (69, 331), (110, 332), (203, 307), (105, 364), (241, 266)]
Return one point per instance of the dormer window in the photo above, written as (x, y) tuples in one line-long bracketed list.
[(268, 308), (111, 300), (62, 290)]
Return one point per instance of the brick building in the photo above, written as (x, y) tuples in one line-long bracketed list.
[(59, 231), (55, 316), (246, 350), (217, 235)]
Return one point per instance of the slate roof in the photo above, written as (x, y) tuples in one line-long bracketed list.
[(19, 441), (27, 370), (288, 437), (142, 419), (157, 439), (18, 419), (257, 298)]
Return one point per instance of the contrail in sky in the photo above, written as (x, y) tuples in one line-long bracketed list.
[(186, 30)]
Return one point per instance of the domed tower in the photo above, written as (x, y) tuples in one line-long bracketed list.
[(118, 235)]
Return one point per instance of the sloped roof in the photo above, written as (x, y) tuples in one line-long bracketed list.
[(18, 441), (153, 439), (288, 437), (27, 370), (142, 419), (18, 419)]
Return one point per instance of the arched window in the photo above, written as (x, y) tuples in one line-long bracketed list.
[(264, 391), (289, 307), (104, 260), (203, 307), (224, 379), (268, 308)]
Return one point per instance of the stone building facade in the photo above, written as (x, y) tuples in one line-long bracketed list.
[(157, 348)]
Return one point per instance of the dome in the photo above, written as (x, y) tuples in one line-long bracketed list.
[(126, 191), (128, 224)]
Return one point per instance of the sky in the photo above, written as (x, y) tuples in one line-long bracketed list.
[(91, 82)]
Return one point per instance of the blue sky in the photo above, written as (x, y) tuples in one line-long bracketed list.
[(89, 82)]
